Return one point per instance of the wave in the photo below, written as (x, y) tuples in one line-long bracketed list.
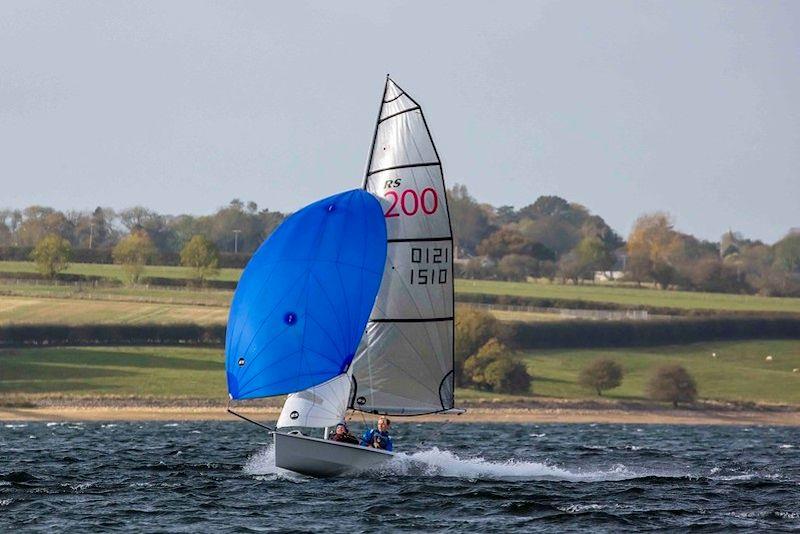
[(443, 463), (262, 465), (436, 462)]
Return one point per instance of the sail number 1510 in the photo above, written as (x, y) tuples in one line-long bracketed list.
[(410, 202), (434, 259)]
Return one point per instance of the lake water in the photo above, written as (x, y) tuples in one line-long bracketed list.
[(219, 476)]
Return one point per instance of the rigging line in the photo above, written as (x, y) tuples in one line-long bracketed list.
[(240, 416), (404, 166), (393, 115)]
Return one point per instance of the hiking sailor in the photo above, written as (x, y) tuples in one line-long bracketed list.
[(378, 438)]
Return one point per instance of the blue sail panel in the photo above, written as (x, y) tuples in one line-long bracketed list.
[(304, 299)]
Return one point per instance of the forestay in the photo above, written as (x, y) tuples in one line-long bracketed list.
[(405, 361), (303, 300)]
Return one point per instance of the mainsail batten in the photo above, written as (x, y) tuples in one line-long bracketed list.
[(405, 361)]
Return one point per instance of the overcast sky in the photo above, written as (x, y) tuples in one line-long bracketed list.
[(625, 107)]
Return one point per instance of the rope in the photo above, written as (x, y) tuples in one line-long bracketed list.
[(240, 416)]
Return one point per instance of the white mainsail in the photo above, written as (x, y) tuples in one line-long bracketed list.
[(319, 406), (404, 364)]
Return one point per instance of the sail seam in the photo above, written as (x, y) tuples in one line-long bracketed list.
[(406, 166), (386, 118), (420, 320)]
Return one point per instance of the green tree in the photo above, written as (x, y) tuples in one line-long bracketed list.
[(202, 256), (787, 253), (492, 368), (473, 329), (51, 254), (504, 375), (672, 383), (594, 255), (653, 246), (601, 374), (470, 220), (133, 253)]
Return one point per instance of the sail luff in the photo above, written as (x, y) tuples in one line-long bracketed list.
[(375, 134)]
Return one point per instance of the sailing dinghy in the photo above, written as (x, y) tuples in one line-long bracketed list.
[(349, 303)]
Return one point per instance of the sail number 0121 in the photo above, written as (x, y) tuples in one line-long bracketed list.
[(433, 257), (410, 202)]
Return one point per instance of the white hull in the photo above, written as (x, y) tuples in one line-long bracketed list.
[(323, 458)]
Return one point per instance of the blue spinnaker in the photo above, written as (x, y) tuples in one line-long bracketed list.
[(304, 299)]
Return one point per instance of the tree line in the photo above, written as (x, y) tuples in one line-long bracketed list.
[(237, 227), (560, 240), (550, 238)]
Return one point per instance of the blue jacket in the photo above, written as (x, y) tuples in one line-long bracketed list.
[(369, 437)]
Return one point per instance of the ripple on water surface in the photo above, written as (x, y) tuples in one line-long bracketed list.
[(221, 476)]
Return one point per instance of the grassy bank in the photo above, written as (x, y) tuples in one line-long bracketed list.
[(68, 311), (739, 373), (116, 272), (633, 297)]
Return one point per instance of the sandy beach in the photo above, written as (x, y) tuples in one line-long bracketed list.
[(473, 415)]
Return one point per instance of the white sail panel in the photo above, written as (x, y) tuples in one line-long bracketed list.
[(402, 140), (405, 368), (319, 406), (404, 364)]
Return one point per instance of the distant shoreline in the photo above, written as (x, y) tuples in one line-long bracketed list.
[(99, 412)]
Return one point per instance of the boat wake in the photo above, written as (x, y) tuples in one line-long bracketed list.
[(443, 463)]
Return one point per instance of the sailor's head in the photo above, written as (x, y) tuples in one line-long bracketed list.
[(384, 423), (341, 428)]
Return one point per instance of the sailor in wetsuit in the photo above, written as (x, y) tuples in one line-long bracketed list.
[(378, 437), (343, 435)]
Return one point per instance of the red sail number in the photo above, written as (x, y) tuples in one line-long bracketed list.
[(410, 203)]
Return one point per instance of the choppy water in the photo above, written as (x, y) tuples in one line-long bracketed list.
[(219, 476)]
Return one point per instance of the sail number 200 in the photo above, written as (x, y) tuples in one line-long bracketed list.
[(410, 202)]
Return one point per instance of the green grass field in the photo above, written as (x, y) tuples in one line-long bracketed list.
[(625, 296), (739, 373), (36, 310), (629, 296), (115, 271), (117, 371), (164, 295)]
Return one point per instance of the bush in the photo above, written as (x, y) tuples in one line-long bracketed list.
[(505, 375), (493, 369), (111, 334), (601, 374), (473, 329), (594, 334), (672, 383), (51, 255)]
